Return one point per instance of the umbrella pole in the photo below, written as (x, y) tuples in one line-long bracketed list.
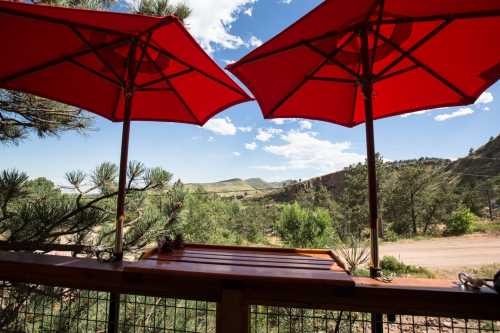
[(120, 205), (372, 192), (114, 298), (367, 86)]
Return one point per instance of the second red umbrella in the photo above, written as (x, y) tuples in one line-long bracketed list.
[(353, 61)]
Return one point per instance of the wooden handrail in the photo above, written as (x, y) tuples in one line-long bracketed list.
[(402, 296)]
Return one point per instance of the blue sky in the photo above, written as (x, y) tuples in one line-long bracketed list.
[(239, 142)]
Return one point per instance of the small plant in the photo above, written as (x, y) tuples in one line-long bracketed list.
[(460, 222), (355, 254)]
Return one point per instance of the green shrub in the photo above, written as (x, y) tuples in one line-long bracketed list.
[(460, 222), (391, 265), (391, 236), (305, 227)]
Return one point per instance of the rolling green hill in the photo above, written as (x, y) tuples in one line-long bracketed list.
[(238, 187)]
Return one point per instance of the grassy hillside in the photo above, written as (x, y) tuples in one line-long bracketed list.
[(473, 170), (238, 187), (479, 166)]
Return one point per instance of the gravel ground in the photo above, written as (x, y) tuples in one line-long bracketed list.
[(447, 253)]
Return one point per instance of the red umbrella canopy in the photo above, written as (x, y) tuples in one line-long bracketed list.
[(93, 59), (422, 54)]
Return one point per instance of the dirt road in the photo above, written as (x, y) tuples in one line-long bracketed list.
[(446, 253)]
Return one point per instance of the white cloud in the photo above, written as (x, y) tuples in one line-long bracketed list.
[(278, 121), (263, 135), (255, 42), (211, 21), (236, 153), (305, 124), (460, 113), (305, 151), (251, 146), (221, 126), (211, 139), (267, 134), (485, 98), (248, 11), (228, 61), (245, 129), (282, 121), (406, 115), (286, 2)]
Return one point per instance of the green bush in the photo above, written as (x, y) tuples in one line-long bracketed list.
[(305, 227), (391, 236), (391, 265), (460, 222)]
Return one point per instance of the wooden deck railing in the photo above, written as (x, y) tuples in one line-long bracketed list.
[(421, 297)]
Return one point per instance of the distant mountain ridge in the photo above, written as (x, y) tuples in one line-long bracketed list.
[(481, 164), (472, 170), (239, 187)]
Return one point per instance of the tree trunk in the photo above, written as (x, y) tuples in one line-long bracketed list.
[(413, 217)]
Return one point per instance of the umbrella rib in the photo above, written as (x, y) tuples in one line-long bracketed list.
[(332, 59), (355, 96), (332, 79), (176, 93), (97, 54), (428, 69), (395, 73), (168, 54), (59, 60), (149, 83), (375, 42), (311, 74), (93, 71), (127, 84), (470, 15), (165, 21), (141, 60), (155, 89), (417, 45)]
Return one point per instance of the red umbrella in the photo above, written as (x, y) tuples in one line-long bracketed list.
[(120, 66), (352, 61)]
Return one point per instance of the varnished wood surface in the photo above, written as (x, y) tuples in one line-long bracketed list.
[(406, 296), (240, 263)]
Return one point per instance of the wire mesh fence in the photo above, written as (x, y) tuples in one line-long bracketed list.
[(26, 308), (269, 319)]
